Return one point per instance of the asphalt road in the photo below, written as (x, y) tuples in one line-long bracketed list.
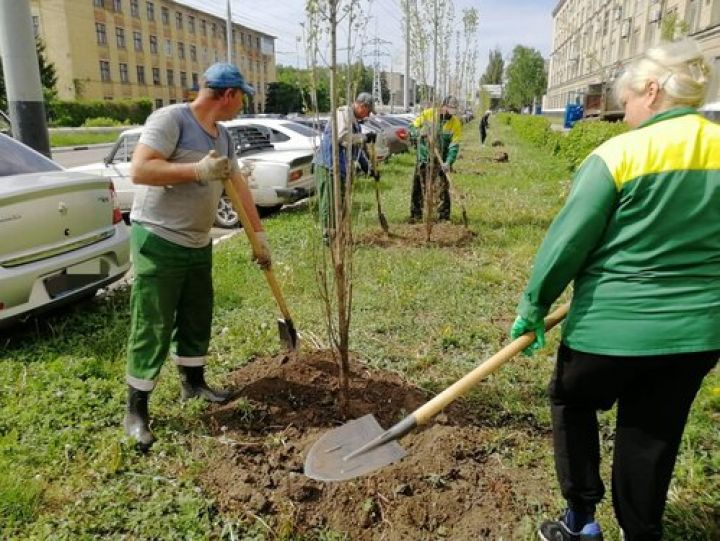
[(69, 157)]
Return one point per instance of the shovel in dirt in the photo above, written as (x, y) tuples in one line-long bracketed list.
[(373, 162), (362, 446), (286, 328), (461, 197)]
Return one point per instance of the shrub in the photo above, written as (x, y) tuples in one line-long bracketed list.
[(586, 136), (75, 113), (101, 122)]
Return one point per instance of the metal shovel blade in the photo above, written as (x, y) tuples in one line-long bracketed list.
[(288, 334), (328, 457)]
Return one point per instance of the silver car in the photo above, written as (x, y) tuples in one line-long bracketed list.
[(62, 233)]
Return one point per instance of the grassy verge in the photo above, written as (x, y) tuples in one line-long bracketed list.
[(428, 313), (81, 138)]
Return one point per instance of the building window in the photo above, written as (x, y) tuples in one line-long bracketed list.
[(124, 73), (170, 78), (141, 75), (120, 37), (178, 20), (100, 34), (137, 41), (191, 23), (36, 26), (181, 50), (99, 3), (168, 47), (193, 53), (156, 76), (158, 103), (117, 5), (203, 27), (150, 11), (214, 30), (165, 15), (135, 8), (183, 79), (153, 44), (258, 43), (104, 70), (195, 80)]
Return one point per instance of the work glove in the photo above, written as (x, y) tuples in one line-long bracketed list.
[(445, 166), (212, 167), (522, 326), (370, 137), (262, 255)]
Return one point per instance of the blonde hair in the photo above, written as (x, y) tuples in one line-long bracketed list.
[(679, 68)]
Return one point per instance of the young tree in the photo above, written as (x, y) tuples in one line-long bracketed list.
[(494, 71), (526, 78)]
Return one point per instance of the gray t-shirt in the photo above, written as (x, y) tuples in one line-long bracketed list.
[(183, 213)]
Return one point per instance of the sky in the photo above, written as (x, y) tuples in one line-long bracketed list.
[(503, 24)]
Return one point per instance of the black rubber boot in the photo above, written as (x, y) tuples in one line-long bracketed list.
[(137, 420), (193, 384)]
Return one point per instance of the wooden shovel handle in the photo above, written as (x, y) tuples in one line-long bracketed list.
[(428, 410), (252, 237)]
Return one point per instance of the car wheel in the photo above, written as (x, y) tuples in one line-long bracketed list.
[(268, 211), (226, 215)]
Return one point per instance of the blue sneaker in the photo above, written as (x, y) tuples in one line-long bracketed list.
[(558, 530)]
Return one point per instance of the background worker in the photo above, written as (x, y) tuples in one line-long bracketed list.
[(640, 237), (446, 128), (349, 136), (484, 125), (181, 160)]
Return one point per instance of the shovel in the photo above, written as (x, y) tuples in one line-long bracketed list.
[(381, 217), (461, 197), (362, 446), (286, 329)]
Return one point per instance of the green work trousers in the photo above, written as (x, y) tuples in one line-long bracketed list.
[(170, 306)]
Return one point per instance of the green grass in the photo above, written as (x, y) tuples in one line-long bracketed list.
[(429, 313), (81, 138)]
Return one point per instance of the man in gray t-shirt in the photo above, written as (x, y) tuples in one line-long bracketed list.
[(182, 160)]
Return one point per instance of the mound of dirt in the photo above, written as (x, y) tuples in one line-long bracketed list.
[(453, 484), (444, 235)]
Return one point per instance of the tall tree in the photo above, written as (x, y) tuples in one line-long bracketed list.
[(494, 71), (526, 78), (283, 98), (48, 77)]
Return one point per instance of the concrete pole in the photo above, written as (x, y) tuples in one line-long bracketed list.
[(229, 34), (22, 75), (406, 86)]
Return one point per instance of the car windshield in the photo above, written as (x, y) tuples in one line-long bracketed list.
[(299, 128), (17, 159), (125, 148)]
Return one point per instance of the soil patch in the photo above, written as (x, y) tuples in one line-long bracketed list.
[(454, 483), (444, 235)]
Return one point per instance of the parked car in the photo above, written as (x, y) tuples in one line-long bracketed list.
[(284, 134), (62, 233), (278, 177), (317, 124), (395, 139), (711, 111)]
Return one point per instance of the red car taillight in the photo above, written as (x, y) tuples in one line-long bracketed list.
[(117, 213), (295, 175), (402, 133)]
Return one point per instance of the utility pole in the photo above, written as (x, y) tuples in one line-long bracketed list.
[(22, 75), (229, 34), (377, 86), (406, 86)]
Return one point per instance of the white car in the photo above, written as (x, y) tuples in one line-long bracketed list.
[(62, 233), (284, 134), (277, 177)]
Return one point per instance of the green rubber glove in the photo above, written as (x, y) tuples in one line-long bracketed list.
[(522, 326)]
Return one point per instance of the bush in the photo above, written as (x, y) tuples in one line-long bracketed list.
[(102, 122), (75, 113), (586, 136)]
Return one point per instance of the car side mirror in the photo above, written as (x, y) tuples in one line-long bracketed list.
[(107, 160)]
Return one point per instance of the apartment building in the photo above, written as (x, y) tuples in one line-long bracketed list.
[(157, 49), (593, 39), (396, 85)]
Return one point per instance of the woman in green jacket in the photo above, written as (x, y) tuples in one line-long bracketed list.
[(639, 237)]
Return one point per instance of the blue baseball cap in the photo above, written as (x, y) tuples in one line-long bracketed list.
[(224, 75)]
